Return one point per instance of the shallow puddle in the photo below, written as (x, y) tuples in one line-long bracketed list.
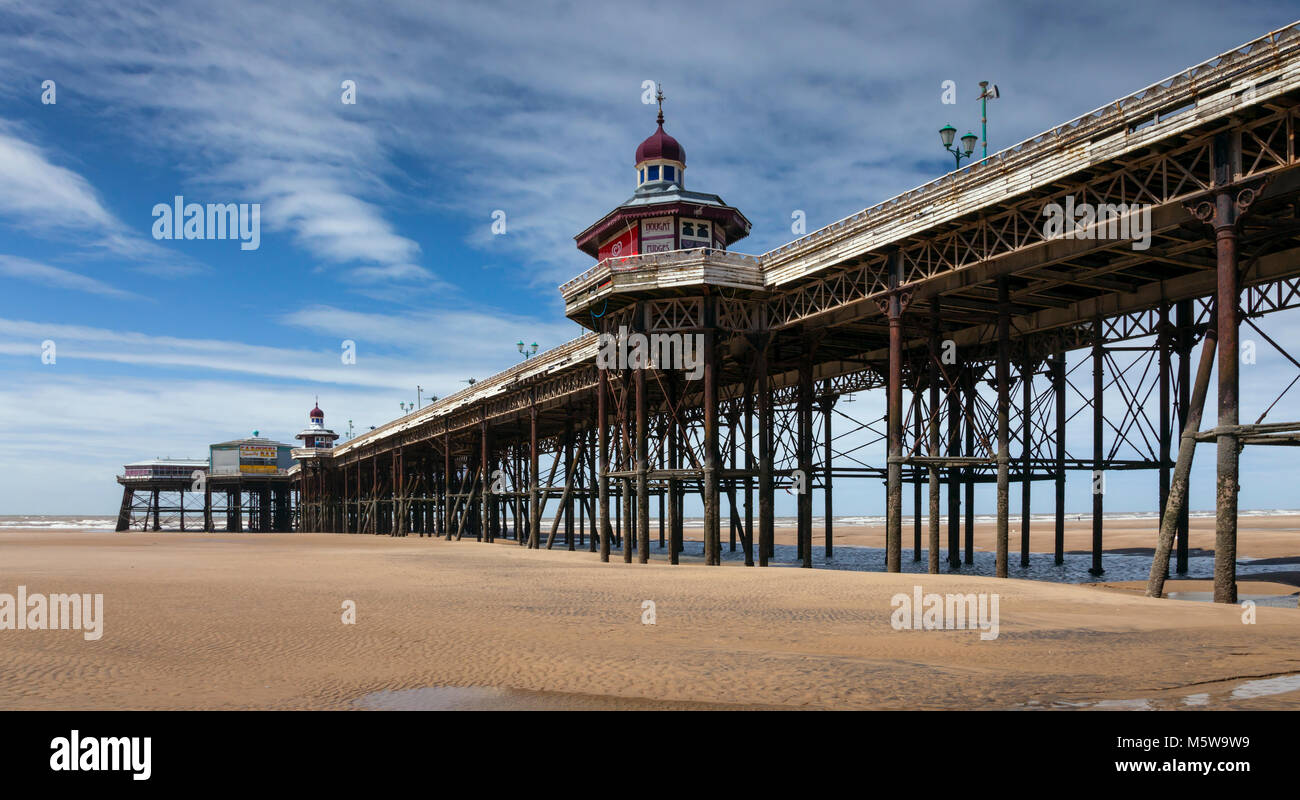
[(1262, 687), (1266, 687), (1275, 600), (491, 698)]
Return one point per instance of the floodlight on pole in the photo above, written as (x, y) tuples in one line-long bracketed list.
[(988, 91)]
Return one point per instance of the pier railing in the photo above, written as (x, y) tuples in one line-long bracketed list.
[(674, 259)]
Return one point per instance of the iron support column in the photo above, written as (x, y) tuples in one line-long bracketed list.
[(1098, 444), (602, 458), (712, 521), (1003, 371), (894, 469)]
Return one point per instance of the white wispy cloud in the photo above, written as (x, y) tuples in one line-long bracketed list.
[(394, 352), (56, 277), (55, 202), (536, 109), (480, 339), (85, 343), (41, 194), (78, 430)]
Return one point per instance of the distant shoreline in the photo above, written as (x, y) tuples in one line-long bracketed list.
[(108, 521)]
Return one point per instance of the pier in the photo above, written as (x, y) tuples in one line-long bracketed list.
[(243, 485), (954, 299)]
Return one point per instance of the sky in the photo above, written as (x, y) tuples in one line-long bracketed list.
[(376, 217)]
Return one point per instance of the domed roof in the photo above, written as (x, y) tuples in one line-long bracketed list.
[(316, 412), (660, 145)]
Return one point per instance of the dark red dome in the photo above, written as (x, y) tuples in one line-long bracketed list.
[(660, 145), (316, 412)]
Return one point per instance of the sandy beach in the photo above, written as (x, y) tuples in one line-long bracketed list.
[(221, 621)]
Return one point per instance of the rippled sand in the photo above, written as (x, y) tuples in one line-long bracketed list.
[(253, 621)]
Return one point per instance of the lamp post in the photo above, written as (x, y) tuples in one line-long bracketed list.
[(946, 134), (987, 92), (419, 390), (526, 350), (407, 407)]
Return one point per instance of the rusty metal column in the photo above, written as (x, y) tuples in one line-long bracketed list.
[(1003, 371), (932, 437), (1058, 388), (674, 463), (489, 517), (447, 508), (1027, 444), (570, 480), (733, 519), (1183, 467), (516, 486), (208, 525), (916, 479), (642, 457), (534, 482), (474, 467), (593, 501), (828, 404), (894, 468), (1183, 312), (804, 453), (1098, 444), (602, 458), (749, 470), (663, 463), (1164, 340), (401, 500), (951, 387), (1228, 449), (968, 386), (712, 522), (766, 488), (627, 464)]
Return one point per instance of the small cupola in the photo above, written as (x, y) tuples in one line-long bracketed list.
[(660, 158)]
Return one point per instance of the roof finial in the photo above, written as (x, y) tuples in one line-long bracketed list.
[(659, 96)]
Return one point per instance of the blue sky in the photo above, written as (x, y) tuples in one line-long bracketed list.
[(376, 216)]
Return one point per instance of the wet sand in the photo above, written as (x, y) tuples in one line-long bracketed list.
[(229, 621)]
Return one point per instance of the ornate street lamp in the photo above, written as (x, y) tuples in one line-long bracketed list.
[(526, 350), (946, 134)]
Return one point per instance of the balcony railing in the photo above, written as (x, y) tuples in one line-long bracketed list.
[(707, 255)]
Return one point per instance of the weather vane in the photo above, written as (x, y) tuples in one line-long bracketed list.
[(659, 96)]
